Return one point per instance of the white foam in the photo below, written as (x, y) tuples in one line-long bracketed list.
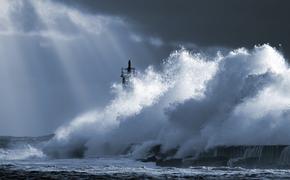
[(21, 153)]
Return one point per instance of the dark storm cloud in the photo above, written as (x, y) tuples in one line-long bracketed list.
[(205, 22)]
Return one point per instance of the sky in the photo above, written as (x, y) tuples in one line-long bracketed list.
[(206, 23), (59, 58)]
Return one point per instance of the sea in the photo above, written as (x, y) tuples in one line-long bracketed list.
[(123, 168)]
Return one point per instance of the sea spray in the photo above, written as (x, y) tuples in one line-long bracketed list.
[(21, 153), (144, 91), (243, 104), (148, 89), (196, 102)]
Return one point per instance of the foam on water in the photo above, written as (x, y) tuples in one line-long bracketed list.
[(21, 153)]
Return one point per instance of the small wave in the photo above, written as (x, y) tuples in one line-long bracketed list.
[(21, 153)]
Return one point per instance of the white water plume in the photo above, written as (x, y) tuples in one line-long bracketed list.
[(149, 89), (145, 91), (235, 99)]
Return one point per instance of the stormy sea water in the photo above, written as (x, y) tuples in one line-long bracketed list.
[(196, 115), (124, 168), (23, 159)]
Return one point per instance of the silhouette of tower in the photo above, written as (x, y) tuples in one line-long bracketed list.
[(127, 73)]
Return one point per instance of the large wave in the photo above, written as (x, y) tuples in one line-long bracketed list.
[(193, 103)]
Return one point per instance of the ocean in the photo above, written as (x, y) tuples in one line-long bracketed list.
[(124, 168)]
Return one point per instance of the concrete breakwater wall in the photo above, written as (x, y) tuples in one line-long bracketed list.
[(260, 156)]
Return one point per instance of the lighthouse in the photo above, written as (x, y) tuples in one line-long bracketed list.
[(127, 73)]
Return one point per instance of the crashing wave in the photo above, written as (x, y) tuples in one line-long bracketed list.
[(194, 103)]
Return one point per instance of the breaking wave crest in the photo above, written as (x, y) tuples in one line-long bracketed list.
[(193, 103)]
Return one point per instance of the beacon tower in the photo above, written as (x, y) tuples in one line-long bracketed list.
[(127, 73)]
